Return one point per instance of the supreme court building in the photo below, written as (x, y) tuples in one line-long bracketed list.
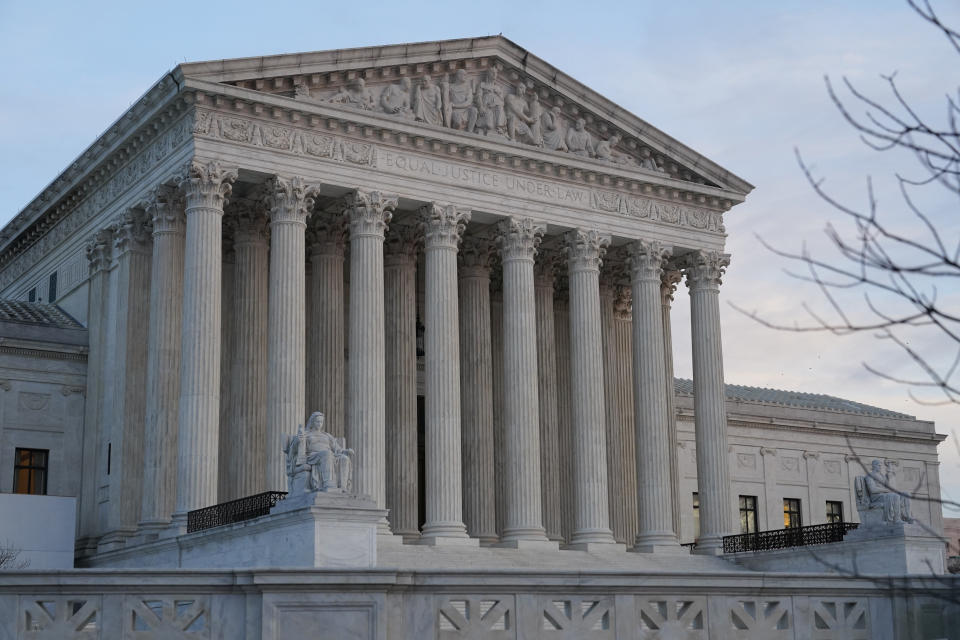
[(466, 259)]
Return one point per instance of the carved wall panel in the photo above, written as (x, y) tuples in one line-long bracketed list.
[(760, 619), (840, 620), (575, 617), (490, 617), (662, 618), (60, 617), (166, 617)]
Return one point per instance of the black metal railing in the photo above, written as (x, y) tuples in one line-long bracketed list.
[(233, 511), (785, 538), (689, 545)]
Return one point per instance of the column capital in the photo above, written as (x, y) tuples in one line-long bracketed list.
[(401, 245), (443, 224), (585, 249), (518, 238), (207, 185), (704, 269), (545, 267), (99, 250), (669, 280), (289, 199), (476, 256), (369, 212), (165, 208), (249, 223), (646, 259), (327, 233), (132, 232), (622, 303)]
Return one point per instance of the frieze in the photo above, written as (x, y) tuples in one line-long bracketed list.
[(86, 210)]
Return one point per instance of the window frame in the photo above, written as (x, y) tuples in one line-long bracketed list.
[(789, 512), (748, 510), (830, 516), (36, 472)]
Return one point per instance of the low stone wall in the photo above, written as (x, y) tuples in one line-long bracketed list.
[(444, 605)]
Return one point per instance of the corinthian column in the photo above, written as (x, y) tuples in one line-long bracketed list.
[(626, 434), (290, 202), (248, 412), (591, 517), (561, 309), (400, 307), (518, 240), (703, 270), (207, 187), (655, 531), (328, 235), (163, 361), (668, 285), (547, 394), (476, 389), (369, 213), (443, 227)]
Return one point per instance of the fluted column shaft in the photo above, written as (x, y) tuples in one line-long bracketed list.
[(400, 285), (613, 417), (668, 285), (476, 390), (703, 271), (369, 214), (325, 389), (206, 188), (547, 395), (163, 360), (518, 241), (591, 516), (561, 309), (623, 382), (250, 327), (443, 228), (655, 532), (289, 202)]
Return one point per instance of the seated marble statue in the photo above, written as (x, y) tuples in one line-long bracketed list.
[(878, 501), (317, 460)]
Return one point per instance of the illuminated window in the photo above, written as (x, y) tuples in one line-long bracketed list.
[(834, 511), (30, 471), (791, 513), (748, 514), (696, 515)]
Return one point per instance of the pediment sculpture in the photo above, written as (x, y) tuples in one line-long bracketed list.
[(317, 461), (878, 501)]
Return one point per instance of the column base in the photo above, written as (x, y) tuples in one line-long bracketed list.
[(661, 542), (115, 539), (597, 547), (448, 541), (709, 546), (595, 536), (177, 526), (488, 541), (150, 530), (667, 549)]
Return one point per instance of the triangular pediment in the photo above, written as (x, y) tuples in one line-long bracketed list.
[(484, 87)]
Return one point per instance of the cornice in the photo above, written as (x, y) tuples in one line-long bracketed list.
[(440, 56), (122, 140), (459, 145)]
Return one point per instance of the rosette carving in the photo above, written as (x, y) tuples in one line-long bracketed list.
[(585, 249), (647, 259), (369, 212), (207, 185), (518, 238), (443, 224)]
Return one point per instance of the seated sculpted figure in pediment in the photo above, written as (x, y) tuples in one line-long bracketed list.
[(878, 502), (317, 460)]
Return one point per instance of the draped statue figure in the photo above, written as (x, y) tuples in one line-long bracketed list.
[(877, 499), (317, 460)]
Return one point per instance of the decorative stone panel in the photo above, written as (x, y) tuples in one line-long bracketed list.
[(760, 619), (666, 617), (578, 618), (60, 618), (844, 619), (166, 618), (489, 617)]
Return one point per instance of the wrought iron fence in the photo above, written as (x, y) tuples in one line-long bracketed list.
[(784, 538), (233, 511)]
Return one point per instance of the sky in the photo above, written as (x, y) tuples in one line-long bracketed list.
[(741, 82)]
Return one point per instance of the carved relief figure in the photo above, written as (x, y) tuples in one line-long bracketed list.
[(489, 99), (877, 499), (553, 133), (316, 460), (579, 140), (355, 95), (651, 164), (535, 109), (300, 89), (428, 102), (395, 99), (518, 120), (606, 150), (459, 110)]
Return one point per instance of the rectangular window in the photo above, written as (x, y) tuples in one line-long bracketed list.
[(696, 515), (52, 289), (748, 514), (30, 471), (834, 511), (791, 513), (32, 296)]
